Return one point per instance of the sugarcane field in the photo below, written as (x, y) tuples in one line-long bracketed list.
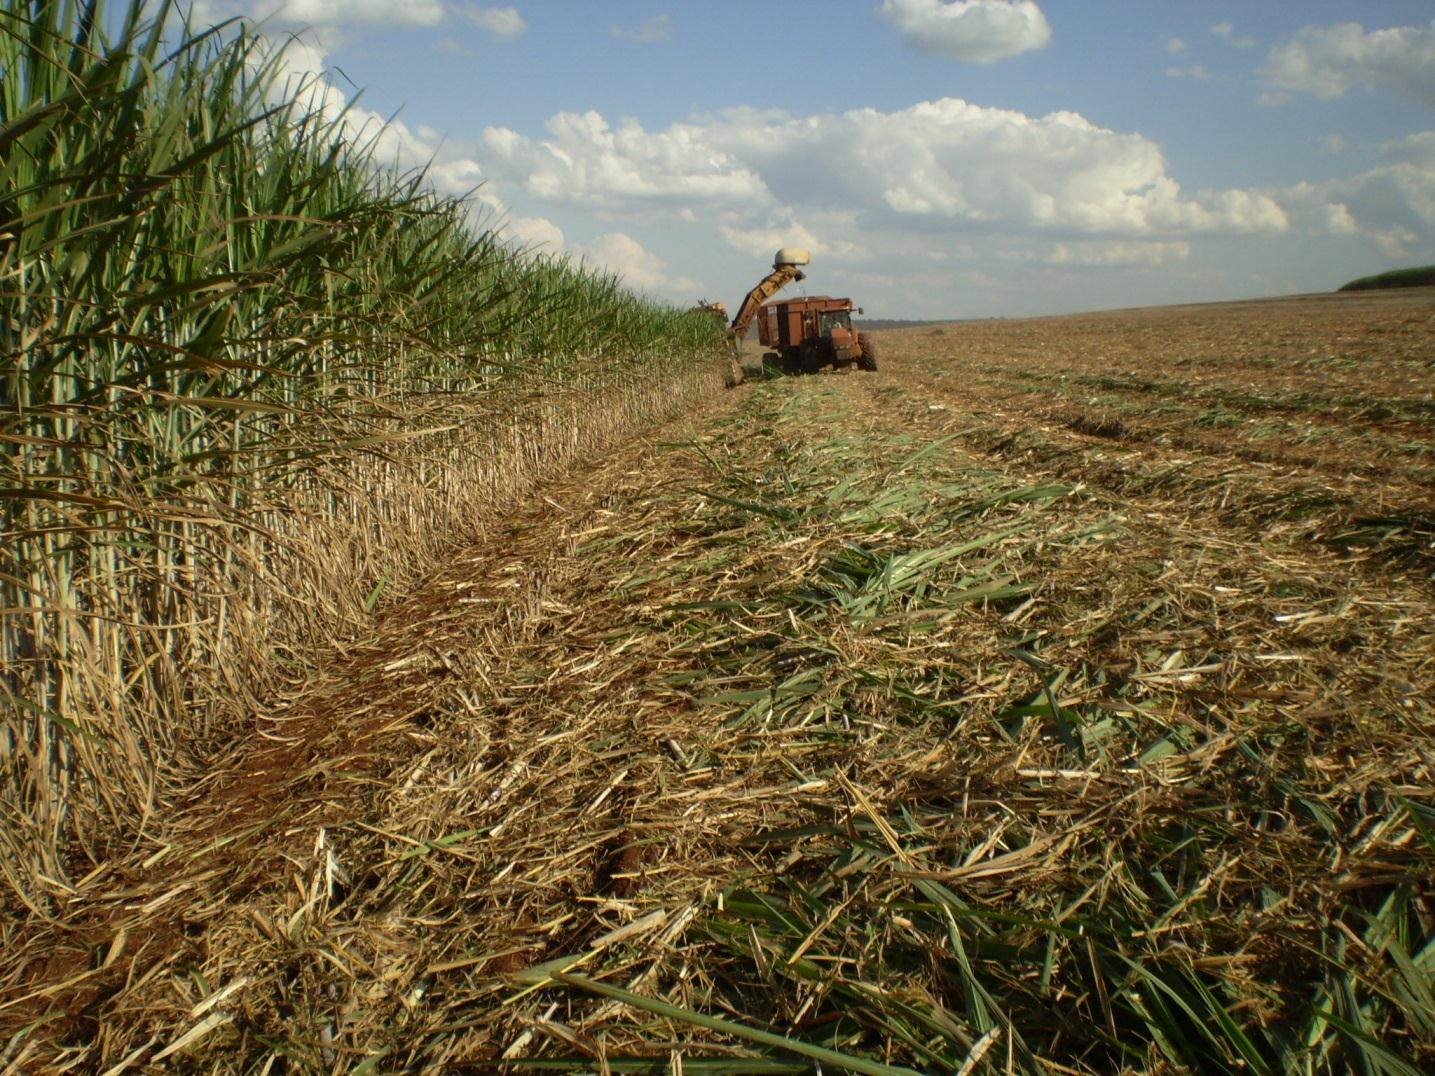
[(425, 651)]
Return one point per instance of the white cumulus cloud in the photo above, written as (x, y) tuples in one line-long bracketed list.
[(619, 253), (487, 211), (949, 163), (300, 69), (300, 65), (1393, 204), (1417, 149), (978, 31), (330, 17), (657, 28), (367, 12), (537, 234), (324, 15), (830, 241), (1326, 61), (1227, 31), (586, 163), (1337, 220), (944, 165), (504, 22)]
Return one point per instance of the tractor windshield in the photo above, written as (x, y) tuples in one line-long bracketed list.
[(836, 319)]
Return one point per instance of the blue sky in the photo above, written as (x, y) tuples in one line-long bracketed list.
[(941, 159)]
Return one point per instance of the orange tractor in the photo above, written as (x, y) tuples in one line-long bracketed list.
[(802, 335)]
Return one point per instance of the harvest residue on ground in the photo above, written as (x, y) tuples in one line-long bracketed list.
[(870, 711)]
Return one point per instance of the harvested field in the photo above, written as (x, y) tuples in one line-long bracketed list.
[(1315, 413), (1058, 699)]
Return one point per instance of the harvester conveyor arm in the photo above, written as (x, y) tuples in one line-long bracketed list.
[(769, 286)]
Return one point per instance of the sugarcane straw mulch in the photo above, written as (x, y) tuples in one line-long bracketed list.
[(838, 727)]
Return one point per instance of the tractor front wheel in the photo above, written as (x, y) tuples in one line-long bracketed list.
[(868, 359)]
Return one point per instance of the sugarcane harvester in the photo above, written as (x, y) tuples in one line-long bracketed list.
[(801, 335)]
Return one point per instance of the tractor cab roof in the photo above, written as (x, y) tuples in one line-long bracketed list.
[(815, 302)]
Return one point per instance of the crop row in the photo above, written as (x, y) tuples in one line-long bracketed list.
[(252, 380)]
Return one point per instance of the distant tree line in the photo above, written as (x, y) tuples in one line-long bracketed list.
[(1420, 277)]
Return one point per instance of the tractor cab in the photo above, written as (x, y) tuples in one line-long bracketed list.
[(800, 321), (830, 320)]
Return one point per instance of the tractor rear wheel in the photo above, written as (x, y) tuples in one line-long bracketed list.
[(868, 359)]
